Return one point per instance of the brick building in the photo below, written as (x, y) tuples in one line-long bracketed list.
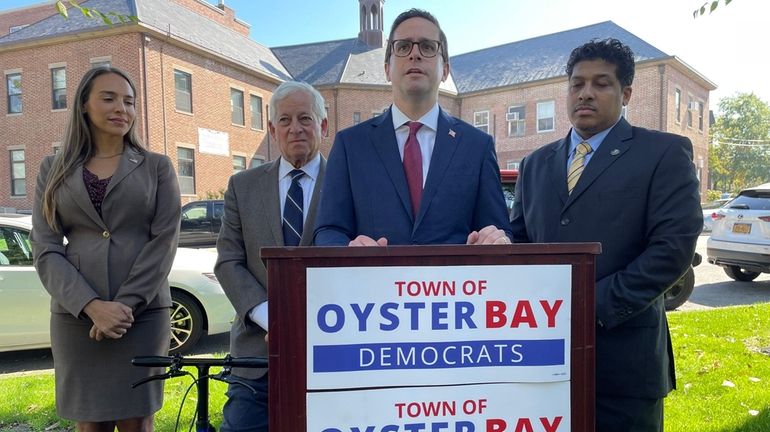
[(204, 86)]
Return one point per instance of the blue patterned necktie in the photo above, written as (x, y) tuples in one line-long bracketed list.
[(292, 211)]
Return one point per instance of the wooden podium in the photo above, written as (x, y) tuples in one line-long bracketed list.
[(287, 276)]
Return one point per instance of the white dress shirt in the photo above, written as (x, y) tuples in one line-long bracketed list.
[(426, 136)]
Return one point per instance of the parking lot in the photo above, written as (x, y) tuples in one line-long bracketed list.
[(712, 289)]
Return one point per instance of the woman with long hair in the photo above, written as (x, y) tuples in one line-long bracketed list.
[(105, 226)]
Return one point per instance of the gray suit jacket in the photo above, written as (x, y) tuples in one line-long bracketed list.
[(252, 220), (126, 254)]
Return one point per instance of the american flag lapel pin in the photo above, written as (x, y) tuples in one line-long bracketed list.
[(451, 133)]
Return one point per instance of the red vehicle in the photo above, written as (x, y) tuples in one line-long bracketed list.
[(674, 297)]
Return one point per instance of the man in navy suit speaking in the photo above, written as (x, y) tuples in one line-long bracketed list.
[(414, 175), (635, 191)]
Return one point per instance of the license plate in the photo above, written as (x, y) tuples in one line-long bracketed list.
[(742, 228)]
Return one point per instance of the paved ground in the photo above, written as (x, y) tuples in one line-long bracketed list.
[(712, 289)]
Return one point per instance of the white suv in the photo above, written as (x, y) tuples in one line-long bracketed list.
[(740, 239)]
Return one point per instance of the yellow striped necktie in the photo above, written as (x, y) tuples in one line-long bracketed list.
[(577, 165)]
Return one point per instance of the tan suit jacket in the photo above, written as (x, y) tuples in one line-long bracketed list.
[(252, 220), (126, 254)]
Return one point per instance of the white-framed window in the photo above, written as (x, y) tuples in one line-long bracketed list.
[(356, 117), (678, 104), (256, 112), (256, 160), (186, 170), (691, 106), (58, 88), (515, 118), (18, 173), (481, 120), (700, 115), (239, 163), (97, 62), (13, 86), (183, 91), (513, 164), (545, 116), (236, 107)]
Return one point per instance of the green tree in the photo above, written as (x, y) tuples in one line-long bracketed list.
[(108, 18), (702, 10), (739, 155)]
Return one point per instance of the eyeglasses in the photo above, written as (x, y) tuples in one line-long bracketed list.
[(403, 47)]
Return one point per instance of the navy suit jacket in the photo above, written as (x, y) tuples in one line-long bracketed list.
[(365, 189), (638, 196)]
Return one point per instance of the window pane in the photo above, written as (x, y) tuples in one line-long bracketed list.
[(256, 112), (236, 104), (545, 112), (17, 155), (58, 88), (183, 88), (239, 164), (13, 84)]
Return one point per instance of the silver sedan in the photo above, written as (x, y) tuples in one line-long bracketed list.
[(199, 304)]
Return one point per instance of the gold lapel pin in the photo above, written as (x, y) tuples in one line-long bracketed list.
[(451, 133)]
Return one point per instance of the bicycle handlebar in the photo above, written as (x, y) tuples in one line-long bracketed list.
[(167, 361)]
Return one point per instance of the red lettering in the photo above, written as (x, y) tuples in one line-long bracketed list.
[(495, 314), (524, 425), (551, 427), (496, 425), (523, 315), (550, 311)]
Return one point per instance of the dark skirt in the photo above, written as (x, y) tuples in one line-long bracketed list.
[(93, 379)]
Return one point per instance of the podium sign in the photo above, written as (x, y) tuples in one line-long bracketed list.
[(422, 338)]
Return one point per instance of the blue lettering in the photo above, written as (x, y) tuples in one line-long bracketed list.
[(464, 312), (414, 308), (439, 314), (322, 315), (362, 315), (387, 314)]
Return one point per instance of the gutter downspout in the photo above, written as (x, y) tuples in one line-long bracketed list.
[(663, 105)]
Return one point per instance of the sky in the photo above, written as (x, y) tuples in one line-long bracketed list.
[(726, 46)]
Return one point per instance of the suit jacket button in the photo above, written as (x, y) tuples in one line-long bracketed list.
[(565, 222), (106, 234)]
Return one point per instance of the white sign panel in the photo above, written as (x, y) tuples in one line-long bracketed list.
[(398, 326), (473, 408), (213, 142)]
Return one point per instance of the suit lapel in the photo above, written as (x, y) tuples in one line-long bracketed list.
[(77, 188), (307, 232), (556, 165), (617, 142), (443, 150), (130, 160), (267, 192), (386, 147)]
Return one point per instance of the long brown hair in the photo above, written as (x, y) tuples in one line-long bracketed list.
[(78, 145)]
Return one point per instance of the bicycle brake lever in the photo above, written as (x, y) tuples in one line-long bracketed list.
[(232, 379), (170, 374), (142, 381)]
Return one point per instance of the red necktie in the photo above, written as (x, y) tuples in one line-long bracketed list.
[(413, 166)]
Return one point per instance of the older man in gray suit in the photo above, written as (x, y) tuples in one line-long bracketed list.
[(270, 205)]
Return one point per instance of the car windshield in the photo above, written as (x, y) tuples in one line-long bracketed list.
[(751, 200)]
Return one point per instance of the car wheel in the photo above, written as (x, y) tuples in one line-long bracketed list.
[(186, 323), (739, 274), (680, 291)]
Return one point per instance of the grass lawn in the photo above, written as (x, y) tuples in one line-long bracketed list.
[(723, 377)]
